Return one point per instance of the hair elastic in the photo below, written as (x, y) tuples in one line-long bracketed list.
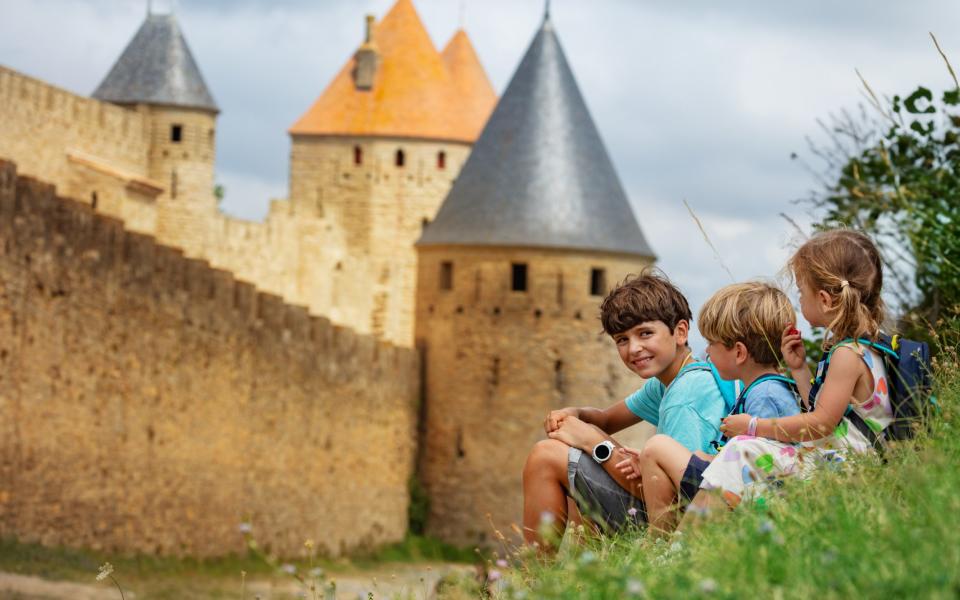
[(844, 283)]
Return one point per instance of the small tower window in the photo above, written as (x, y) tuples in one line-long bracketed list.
[(176, 133), (598, 282), (93, 200), (441, 160), (446, 275), (518, 277), (357, 155), (400, 159)]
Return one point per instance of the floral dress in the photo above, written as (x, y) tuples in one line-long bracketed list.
[(746, 459)]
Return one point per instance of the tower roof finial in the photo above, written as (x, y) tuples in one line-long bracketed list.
[(546, 11)]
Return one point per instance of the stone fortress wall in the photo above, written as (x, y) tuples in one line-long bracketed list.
[(92, 151), (178, 402), (341, 245)]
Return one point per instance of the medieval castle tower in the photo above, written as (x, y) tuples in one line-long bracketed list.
[(511, 273), (424, 285)]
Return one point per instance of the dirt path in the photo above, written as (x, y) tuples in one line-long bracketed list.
[(406, 581)]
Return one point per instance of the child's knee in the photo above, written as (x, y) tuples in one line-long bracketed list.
[(657, 446), (547, 454)]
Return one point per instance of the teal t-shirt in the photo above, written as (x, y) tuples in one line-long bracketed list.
[(688, 410)]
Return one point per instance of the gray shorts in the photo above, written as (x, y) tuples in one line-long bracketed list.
[(598, 496)]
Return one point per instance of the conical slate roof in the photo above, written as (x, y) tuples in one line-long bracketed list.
[(539, 175), (157, 68)]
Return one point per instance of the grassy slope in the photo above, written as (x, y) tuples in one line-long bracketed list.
[(870, 530)]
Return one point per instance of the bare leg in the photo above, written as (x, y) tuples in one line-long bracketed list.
[(663, 464), (545, 492)]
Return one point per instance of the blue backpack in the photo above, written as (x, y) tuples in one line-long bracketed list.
[(910, 386)]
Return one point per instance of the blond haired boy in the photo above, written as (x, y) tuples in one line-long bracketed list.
[(743, 324)]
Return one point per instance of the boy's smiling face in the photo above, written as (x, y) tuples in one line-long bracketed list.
[(649, 348)]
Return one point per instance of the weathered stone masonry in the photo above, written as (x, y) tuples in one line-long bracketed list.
[(178, 402)]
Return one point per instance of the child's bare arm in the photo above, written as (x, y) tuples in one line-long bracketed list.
[(610, 420), (837, 393)]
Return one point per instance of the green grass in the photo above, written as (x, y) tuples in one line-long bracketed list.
[(872, 530)]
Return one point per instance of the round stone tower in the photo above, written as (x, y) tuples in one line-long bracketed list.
[(157, 74), (511, 272), (376, 154)]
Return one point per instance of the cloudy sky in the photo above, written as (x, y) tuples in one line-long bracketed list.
[(698, 100)]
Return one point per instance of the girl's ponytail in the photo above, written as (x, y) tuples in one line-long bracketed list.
[(854, 317)]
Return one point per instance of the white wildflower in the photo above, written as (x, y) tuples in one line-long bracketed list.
[(766, 526), (246, 527), (288, 569), (635, 587), (708, 586), (105, 570)]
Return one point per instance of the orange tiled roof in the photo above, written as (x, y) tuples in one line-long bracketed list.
[(413, 94), (475, 94)]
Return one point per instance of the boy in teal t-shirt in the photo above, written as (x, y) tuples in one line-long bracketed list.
[(689, 410), (648, 319)]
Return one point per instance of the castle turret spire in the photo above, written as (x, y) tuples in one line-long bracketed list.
[(157, 68), (539, 174)]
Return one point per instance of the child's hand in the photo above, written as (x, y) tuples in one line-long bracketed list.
[(553, 420), (735, 425), (577, 434), (791, 345), (630, 466)]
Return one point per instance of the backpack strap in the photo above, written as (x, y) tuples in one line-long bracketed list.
[(876, 438), (741, 403), (729, 390), (824, 364)]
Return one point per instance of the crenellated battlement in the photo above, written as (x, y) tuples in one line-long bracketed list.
[(114, 126)]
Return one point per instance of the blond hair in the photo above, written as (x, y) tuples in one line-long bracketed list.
[(754, 313), (846, 264)]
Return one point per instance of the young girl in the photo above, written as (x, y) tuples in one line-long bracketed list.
[(839, 275)]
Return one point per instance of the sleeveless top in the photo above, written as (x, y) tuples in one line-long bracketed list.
[(876, 412)]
